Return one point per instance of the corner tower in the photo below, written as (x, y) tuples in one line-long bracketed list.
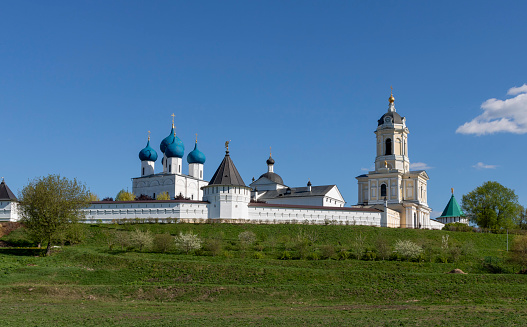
[(226, 193), (392, 187)]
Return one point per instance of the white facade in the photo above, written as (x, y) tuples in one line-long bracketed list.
[(227, 201), (147, 168), (8, 211), (175, 184)]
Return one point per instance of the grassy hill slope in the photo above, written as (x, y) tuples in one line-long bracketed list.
[(89, 284)]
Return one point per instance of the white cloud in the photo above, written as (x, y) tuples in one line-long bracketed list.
[(419, 166), (481, 165), (509, 116), (517, 90)]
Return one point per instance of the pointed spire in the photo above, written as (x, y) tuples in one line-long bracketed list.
[(5, 192), (452, 209), (227, 174)]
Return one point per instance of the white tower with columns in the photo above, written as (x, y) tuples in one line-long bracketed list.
[(392, 184)]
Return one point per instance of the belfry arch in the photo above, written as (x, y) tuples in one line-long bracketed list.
[(388, 147)]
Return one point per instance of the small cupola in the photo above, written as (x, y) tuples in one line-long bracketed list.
[(148, 153), (196, 156)]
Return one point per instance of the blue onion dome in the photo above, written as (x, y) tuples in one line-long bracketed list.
[(196, 156), (148, 154), (175, 150), (172, 138)]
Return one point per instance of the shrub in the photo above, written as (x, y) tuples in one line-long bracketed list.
[(358, 246), (258, 255), (383, 248), (141, 239), (518, 251), (369, 256), (215, 246), (492, 265), (458, 227), (163, 242), (327, 251), (246, 238), (123, 239), (286, 255), (188, 242), (408, 249), (312, 256), (343, 254)]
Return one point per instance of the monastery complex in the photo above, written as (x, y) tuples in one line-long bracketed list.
[(389, 196)]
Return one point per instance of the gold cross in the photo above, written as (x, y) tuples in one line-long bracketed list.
[(173, 119), (149, 135), (270, 153), (196, 137), (227, 144), (391, 88)]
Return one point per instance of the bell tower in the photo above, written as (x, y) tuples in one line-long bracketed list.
[(392, 187), (392, 141)]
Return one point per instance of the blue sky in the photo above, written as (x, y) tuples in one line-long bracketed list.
[(82, 82)]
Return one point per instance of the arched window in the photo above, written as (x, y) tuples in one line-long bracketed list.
[(388, 150), (383, 190)]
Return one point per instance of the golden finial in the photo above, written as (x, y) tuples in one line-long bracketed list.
[(270, 152), (391, 99), (174, 130), (149, 135), (452, 189), (196, 137), (173, 119), (227, 144)]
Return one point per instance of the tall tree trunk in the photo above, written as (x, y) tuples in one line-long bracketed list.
[(48, 249)]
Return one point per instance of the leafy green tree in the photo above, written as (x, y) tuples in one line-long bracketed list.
[(521, 221), (124, 196), (92, 197), (163, 196), (492, 205), (50, 205)]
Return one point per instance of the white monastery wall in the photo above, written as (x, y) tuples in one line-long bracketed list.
[(108, 211), (267, 213)]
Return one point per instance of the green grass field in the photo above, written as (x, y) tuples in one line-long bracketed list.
[(88, 284)]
